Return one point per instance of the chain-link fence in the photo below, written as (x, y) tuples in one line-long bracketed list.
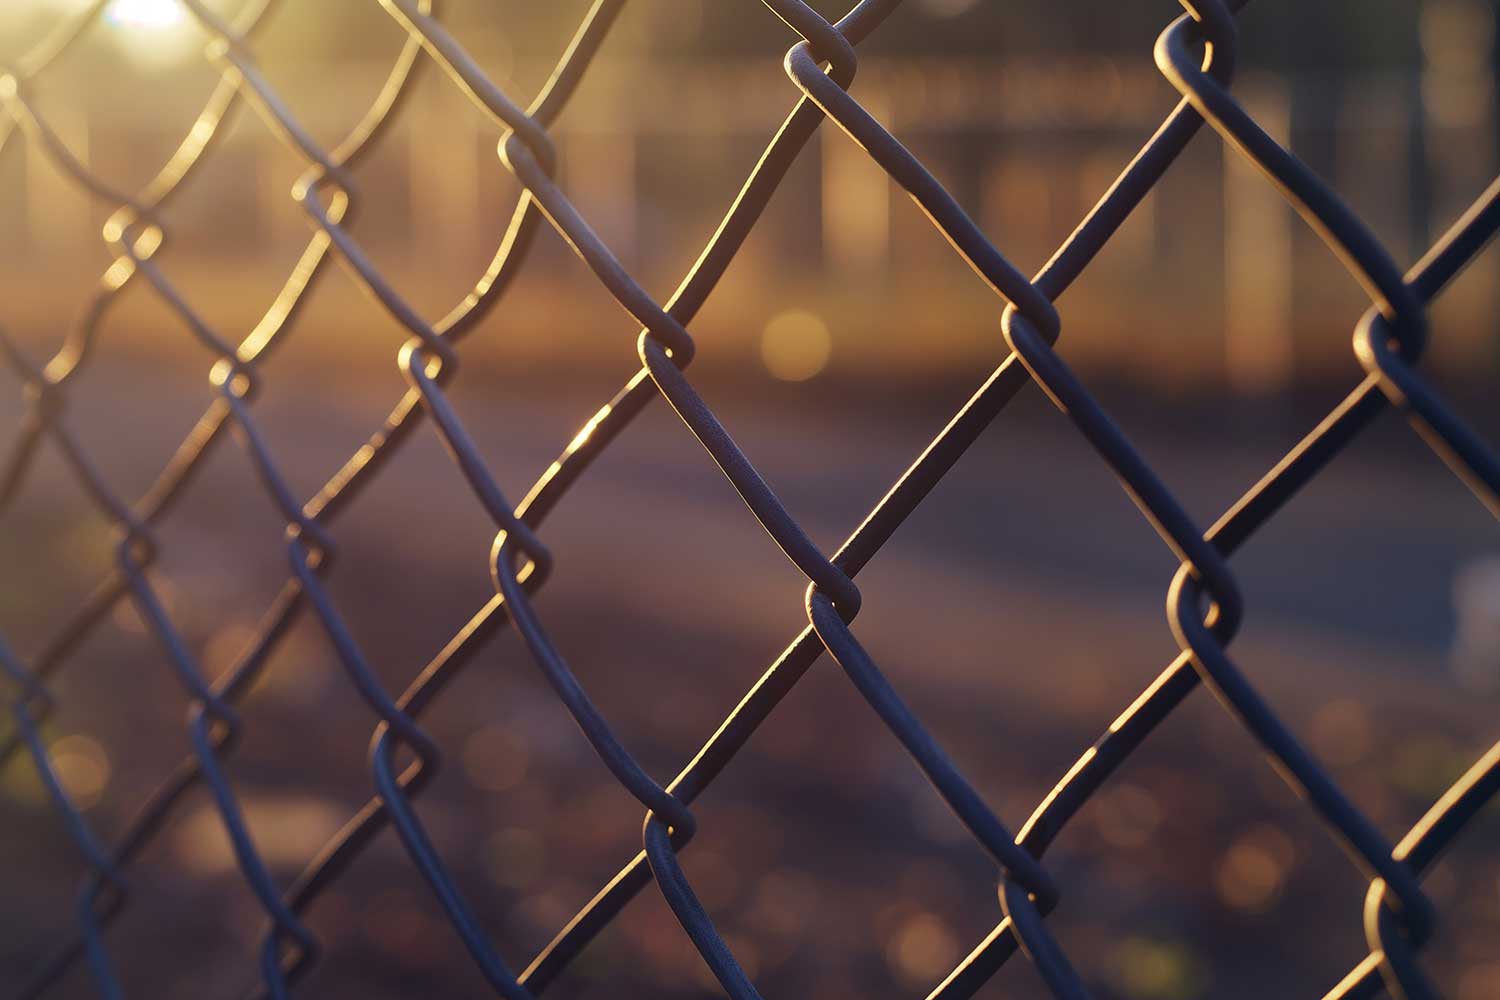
[(1196, 53)]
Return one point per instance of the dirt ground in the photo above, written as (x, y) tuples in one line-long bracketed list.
[(1019, 611)]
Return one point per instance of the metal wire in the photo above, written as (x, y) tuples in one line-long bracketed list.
[(1196, 54)]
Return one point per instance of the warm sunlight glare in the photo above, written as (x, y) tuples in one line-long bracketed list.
[(145, 13), (154, 33), (795, 346)]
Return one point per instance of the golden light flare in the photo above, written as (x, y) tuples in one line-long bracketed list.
[(582, 437)]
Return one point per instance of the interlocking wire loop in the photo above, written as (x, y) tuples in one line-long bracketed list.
[(1196, 54)]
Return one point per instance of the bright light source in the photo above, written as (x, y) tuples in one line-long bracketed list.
[(145, 13), (153, 32)]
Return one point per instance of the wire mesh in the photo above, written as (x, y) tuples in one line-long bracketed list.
[(1196, 53)]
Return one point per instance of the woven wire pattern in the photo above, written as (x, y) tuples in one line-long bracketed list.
[(1196, 53)]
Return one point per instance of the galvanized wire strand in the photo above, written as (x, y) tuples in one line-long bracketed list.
[(227, 375), (45, 389), (562, 473), (1178, 530), (1253, 510), (212, 722), (1197, 55), (630, 880), (598, 257), (576, 924)]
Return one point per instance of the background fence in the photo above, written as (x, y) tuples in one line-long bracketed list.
[(218, 667)]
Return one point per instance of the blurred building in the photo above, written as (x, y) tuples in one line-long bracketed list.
[(1027, 120)]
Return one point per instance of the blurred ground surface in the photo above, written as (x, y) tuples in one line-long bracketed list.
[(1019, 612)]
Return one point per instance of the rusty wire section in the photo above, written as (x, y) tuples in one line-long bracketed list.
[(1196, 54)]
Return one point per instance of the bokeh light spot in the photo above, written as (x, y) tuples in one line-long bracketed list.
[(82, 768), (495, 759), (922, 949), (1157, 970), (796, 345), (1253, 871)]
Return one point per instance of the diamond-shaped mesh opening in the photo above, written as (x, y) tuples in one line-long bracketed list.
[(636, 599)]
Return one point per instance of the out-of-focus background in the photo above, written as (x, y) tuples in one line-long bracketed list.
[(1019, 611)]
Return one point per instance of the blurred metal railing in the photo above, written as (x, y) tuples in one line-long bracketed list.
[(1196, 53)]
